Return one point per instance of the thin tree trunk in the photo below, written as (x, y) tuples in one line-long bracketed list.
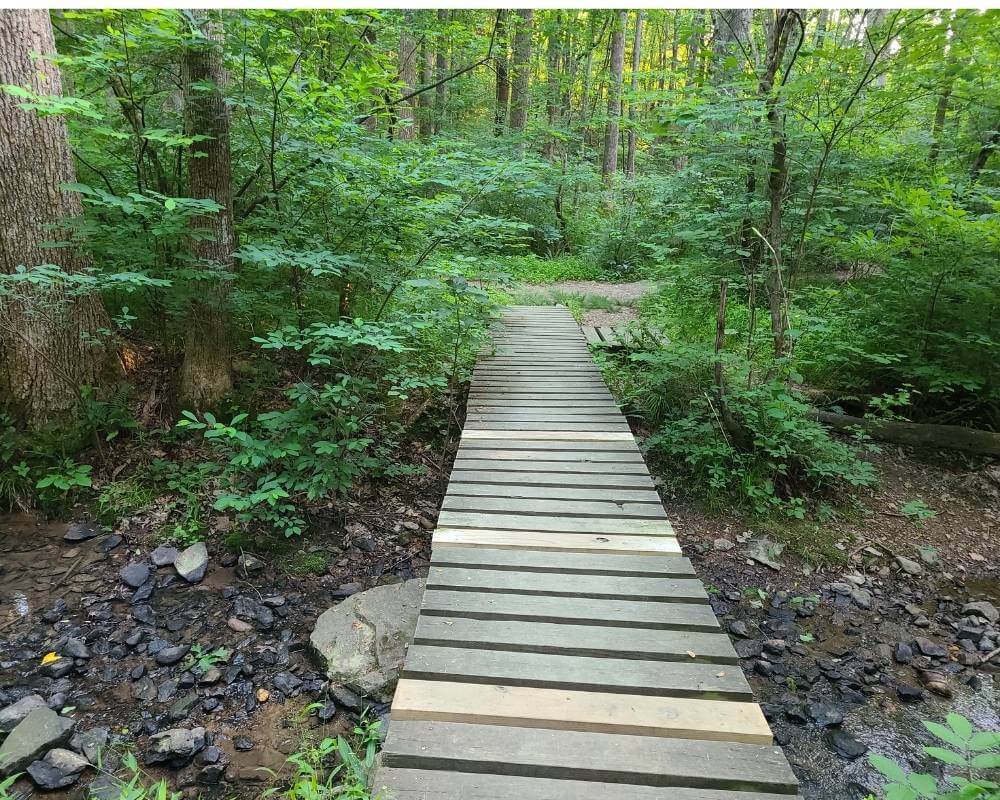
[(983, 156), (636, 60), (610, 162), (425, 101), (50, 341), (519, 100), (552, 80), (206, 374), (940, 114), (441, 93), (503, 76), (407, 77), (694, 46)]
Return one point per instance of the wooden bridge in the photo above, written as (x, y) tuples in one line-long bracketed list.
[(565, 649)]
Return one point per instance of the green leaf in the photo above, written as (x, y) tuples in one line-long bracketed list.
[(945, 734), (947, 756), (960, 725), (984, 740), (887, 767), (986, 761)]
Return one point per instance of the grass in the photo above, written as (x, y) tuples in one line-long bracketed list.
[(308, 564), (535, 270)]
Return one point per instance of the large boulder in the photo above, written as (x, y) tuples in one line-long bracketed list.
[(34, 736), (362, 642)]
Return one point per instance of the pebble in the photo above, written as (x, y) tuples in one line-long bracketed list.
[(909, 566), (239, 625), (171, 655), (243, 743)]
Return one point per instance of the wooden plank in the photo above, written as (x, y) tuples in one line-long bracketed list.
[(541, 415), (429, 784), (568, 710), (528, 406), (582, 448), (595, 479), (578, 755), (555, 507), (556, 435), (535, 427), (509, 492), (572, 456), (527, 522), (581, 640), (574, 563), (527, 465), (546, 541), (608, 587), (615, 613)]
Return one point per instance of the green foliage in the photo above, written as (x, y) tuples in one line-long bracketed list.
[(917, 510), (535, 270), (973, 753), (201, 659), (135, 784)]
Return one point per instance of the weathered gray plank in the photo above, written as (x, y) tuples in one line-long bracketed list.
[(552, 507), (577, 563), (577, 755), (583, 448), (583, 427), (526, 522), (560, 543), (428, 784), (583, 640), (611, 587), (615, 613), (509, 492), (621, 480), (523, 465), (573, 456)]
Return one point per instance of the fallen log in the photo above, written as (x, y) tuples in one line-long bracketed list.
[(952, 437)]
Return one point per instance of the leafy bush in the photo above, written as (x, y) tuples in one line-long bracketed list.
[(972, 752), (532, 269)]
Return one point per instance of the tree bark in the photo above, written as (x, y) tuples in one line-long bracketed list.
[(519, 100), (730, 34), (441, 93), (206, 373), (983, 156), (50, 340), (407, 77), (952, 437), (552, 80), (425, 101), (617, 65), (501, 63), (634, 87)]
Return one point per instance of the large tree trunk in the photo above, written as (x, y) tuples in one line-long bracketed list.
[(206, 374), (500, 62), (441, 92), (407, 77), (952, 437), (520, 100), (552, 84), (51, 341), (425, 101), (633, 103), (730, 35), (610, 161)]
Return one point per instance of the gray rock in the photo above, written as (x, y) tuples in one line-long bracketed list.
[(182, 707), (91, 743), (929, 647), (766, 552), (247, 564), (58, 668), (164, 555), (362, 642), (66, 760), (841, 587), (134, 574), (76, 648), (105, 787), (175, 747), (845, 745), (49, 777), (909, 566), (12, 715), (982, 608), (36, 734), (862, 597), (192, 563), (81, 531), (723, 544), (171, 655), (144, 689), (904, 653)]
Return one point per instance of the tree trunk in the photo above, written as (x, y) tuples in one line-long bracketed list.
[(730, 35), (983, 156), (503, 76), (519, 100), (952, 437), (441, 93), (552, 80), (407, 77), (425, 101), (50, 341), (822, 17), (610, 162), (634, 87), (206, 374), (694, 46)]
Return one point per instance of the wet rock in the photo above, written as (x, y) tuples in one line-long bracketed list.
[(824, 715), (908, 693), (134, 574), (936, 682), (12, 715), (984, 609), (844, 745), (239, 625), (164, 555), (169, 656), (327, 712), (40, 731), (175, 747), (929, 647), (909, 566), (192, 563), (55, 613), (81, 532), (286, 683), (363, 641)]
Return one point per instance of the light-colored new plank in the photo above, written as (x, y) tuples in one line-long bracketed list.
[(620, 480), (585, 494), (546, 541), (546, 465), (555, 507), (582, 563), (573, 436), (527, 522)]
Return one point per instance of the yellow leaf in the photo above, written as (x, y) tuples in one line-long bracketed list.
[(49, 658)]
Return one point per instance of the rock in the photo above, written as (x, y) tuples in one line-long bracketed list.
[(91, 743), (286, 683), (936, 682), (60, 768), (739, 628), (181, 708), (929, 647), (11, 716), (262, 695), (765, 552), (239, 625), (109, 543), (862, 597), (171, 655), (327, 712), (164, 555), (76, 648), (80, 532), (844, 745), (774, 647), (144, 689), (243, 743), (134, 574), (210, 676), (825, 715), (347, 698), (909, 566), (904, 653), (192, 563), (984, 609), (346, 590), (909, 694), (40, 731), (363, 641), (58, 668), (247, 564), (175, 747), (841, 587), (723, 544)]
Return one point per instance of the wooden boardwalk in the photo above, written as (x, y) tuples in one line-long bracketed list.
[(565, 649)]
